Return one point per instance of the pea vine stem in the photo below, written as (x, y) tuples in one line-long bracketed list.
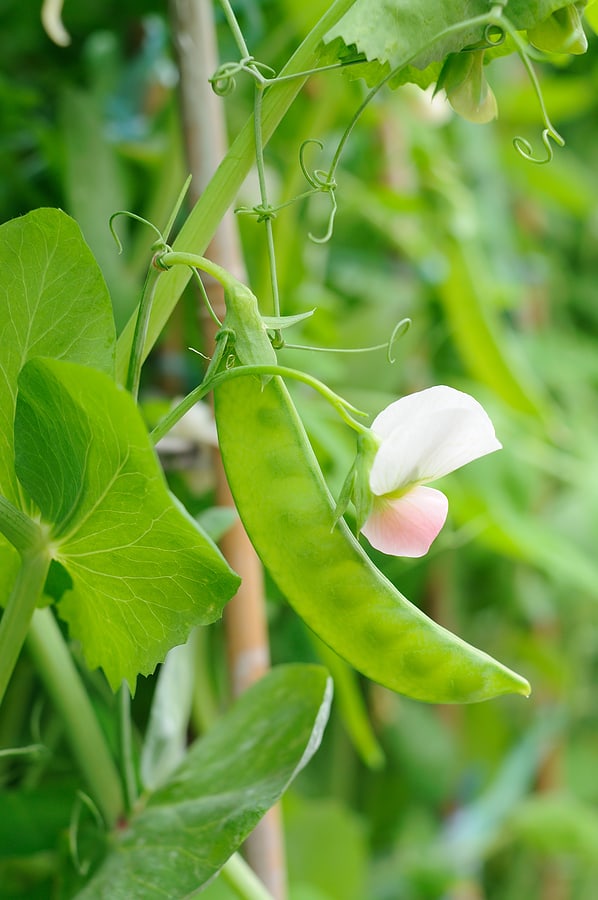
[(22, 532), (265, 209), (342, 407), (19, 610), (68, 694), (242, 880), (231, 20), (222, 189)]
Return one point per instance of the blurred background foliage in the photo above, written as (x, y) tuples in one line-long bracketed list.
[(495, 261)]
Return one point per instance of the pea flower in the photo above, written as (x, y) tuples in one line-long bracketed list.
[(415, 440)]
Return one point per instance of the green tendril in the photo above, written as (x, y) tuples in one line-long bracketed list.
[(158, 245), (321, 182), (494, 35), (524, 148), (398, 331), (161, 244), (82, 800), (224, 80), (261, 212), (521, 145), (35, 751), (205, 298)]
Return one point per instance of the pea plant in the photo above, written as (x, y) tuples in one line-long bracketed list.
[(92, 533)]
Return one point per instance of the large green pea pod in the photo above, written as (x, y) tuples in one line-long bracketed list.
[(321, 569)]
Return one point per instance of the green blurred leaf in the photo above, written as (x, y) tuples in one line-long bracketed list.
[(165, 739), (32, 819), (326, 849), (217, 520), (474, 828), (90, 159), (352, 707), (478, 335), (591, 15), (556, 823), (230, 777), (143, 572)]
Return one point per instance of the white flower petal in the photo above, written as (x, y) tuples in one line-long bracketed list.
[(407, 527), (430, 401), (431, 442)]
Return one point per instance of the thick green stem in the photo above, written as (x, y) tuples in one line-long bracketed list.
[(241, 878), (342, 407), (195, 261), (63, 683), (22, 532), (222, 190), (15, 621)]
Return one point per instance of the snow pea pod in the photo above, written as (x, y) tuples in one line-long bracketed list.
[(326, 576)]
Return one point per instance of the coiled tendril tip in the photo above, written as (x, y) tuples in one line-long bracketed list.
[(223, 80), (321, 182), (525, 149)]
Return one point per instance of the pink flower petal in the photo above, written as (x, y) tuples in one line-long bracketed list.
[(407, 526), (442, 431)]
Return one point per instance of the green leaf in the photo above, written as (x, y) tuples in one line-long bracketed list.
[(143, 572), (326, 847), (393, 34), (351, 705), (53, 302), (230, 777), (165, 739), (273, 322)]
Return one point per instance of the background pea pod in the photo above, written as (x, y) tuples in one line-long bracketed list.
[(325, 575)]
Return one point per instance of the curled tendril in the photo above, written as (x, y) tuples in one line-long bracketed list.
[(157, 259), (321, 182), (521, 145), (82, 866), (494, 35), (261, 212), (159, 245), (524, 148), (224, 82), (398, 331)]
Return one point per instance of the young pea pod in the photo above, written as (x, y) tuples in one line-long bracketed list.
[(246, 328), (321, 569), (464, 82), (562, 32)]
